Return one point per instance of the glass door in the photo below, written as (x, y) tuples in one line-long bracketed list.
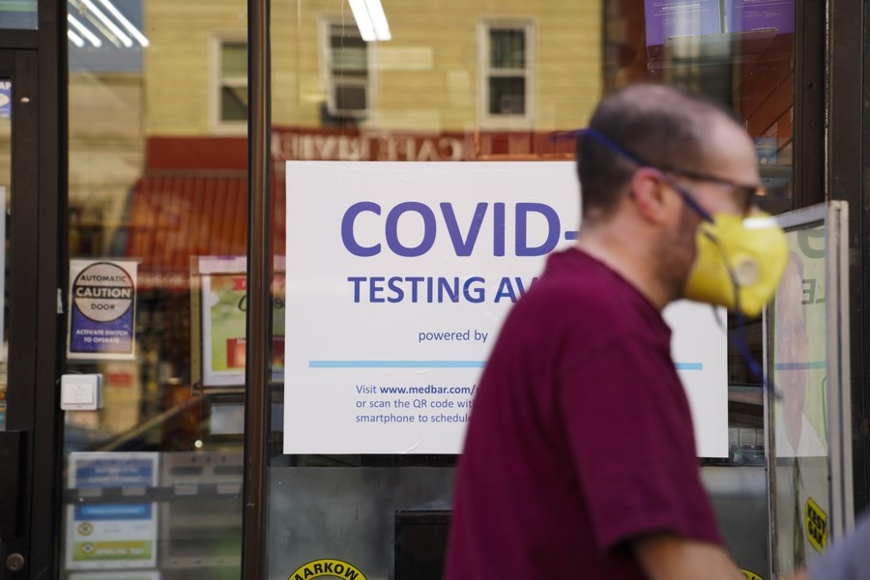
[(808, 413)]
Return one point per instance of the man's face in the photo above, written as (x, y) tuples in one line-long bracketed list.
[(732, 159)]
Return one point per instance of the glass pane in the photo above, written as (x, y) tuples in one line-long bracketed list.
[(469, 85), (234, 59), (18, 14), (5, 196), (507, 48), (799, 355), (507, 95), (158, 205)]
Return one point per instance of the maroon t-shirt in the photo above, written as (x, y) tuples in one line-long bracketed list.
[(580, 437)]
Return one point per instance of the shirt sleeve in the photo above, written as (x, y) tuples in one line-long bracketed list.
[(630, 432)]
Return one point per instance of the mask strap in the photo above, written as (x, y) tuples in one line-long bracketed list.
[(739, 340), (601, 138)]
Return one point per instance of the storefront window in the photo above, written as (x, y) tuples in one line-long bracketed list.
[(369, 101), (493, 83), (157, 185)]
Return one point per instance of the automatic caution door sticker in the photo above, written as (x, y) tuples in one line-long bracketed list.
[(750, 575), (102, 317), (817, 525), (327, 568)]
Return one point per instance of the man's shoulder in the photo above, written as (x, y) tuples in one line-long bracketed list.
[(572, 278)]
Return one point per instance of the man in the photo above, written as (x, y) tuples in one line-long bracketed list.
[(580, 460)]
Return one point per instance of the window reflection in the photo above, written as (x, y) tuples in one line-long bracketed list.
[(233, 82), (736, 51)]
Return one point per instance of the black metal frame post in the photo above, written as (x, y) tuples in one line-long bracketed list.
[(52, 262), (809, 104), (848, 133), (22, 400), (259, 271), (38, 232)]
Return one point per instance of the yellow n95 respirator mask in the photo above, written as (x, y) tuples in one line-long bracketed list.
[(739, 262)]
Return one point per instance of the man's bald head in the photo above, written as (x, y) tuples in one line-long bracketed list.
[(664, 126)]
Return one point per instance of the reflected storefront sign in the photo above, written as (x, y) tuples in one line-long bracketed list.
[(325, 146)]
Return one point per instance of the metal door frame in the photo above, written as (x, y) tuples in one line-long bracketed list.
[(36, 59), (834, 216), (21, 66)]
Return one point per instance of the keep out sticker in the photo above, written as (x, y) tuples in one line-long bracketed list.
[(103, 303), (817, 525), (327, 568)]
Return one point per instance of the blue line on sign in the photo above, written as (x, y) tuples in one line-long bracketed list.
[(395, 364), (570, 236), (441, 364), (689, 366), (800, 366)]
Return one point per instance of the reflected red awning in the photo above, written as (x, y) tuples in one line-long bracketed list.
[(192, 198), (176, 217), (191, 201)]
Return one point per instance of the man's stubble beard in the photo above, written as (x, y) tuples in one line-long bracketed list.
[(675, 254)]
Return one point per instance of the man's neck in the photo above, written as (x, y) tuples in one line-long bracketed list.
[(612, 246)]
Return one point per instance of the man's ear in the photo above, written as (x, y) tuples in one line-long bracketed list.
[(651, 195)]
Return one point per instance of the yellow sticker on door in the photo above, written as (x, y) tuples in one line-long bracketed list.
[(750, 575), (327, 568), (817, 525)]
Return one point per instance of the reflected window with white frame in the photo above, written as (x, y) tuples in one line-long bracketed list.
[(345, 69), (506, 66), (231, 84)]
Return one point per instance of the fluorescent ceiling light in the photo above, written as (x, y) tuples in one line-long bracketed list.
[(140, 38), (370, 19), (75, 38), (83, 30), (92, 9), (379, 19)]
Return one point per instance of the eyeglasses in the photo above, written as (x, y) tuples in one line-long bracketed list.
[(745, 195)]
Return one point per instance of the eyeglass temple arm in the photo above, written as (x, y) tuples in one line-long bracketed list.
[(614, 146)]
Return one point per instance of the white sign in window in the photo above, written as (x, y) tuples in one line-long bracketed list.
[(398, 278)]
